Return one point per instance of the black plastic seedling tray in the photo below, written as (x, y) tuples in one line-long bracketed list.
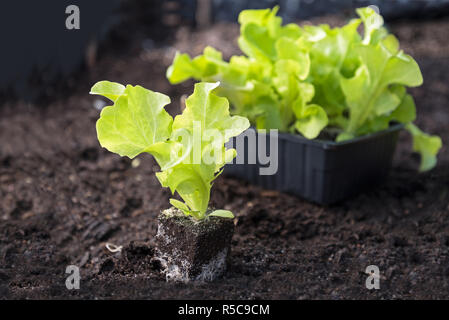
[(324, 172)]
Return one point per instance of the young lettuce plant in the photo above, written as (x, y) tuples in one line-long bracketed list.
[(316, 78), (189, 148), (268, 84), (361, 81)]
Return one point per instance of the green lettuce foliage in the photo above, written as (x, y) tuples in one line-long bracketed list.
[(268, 84), (314, 78), (138, 123)]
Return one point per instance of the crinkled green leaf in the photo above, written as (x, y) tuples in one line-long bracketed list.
[(211, 111), (312, 120), (345, 136), (135, 122), (222, 213), (402, 69), (426, 145), (179, 205), (184, 67), (170, 153), (329, 59), (367, 92), (258, 17), (391, 43), (255, 41), (292, 58), (406, 111), (268, 113), (385, 102), (373, 24), (110, 90)]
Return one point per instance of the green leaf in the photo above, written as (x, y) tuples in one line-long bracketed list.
[(268, 114), (295, 59), (211, 112), (368, 92), (312, 120), (265, 18), (385, 102), (406, 111), (355, 90), (330, 58), (402, 69), (373, 24), (345, 136), (182, 69), (201, 67), (179, 205), (222, 213), (255, 41), (170, 153), (258, 16), (329, 47), (426, 145), (292, 31), (110, 90), (391, 43), (135, 122)]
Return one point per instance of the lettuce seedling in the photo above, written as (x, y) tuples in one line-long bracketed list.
[(313, 78), (267, 85), (189, 148)]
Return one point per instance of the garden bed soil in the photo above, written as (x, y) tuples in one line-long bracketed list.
[(62, 198)]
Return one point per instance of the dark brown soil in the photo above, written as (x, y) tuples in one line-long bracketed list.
[(62, 198)]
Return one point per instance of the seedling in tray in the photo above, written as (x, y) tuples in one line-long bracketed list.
[(338, 97), (193, 241), (315, 80)]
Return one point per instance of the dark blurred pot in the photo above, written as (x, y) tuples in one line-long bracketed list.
[(324, 172)]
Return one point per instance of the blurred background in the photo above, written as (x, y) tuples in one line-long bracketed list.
[(40, 55)]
